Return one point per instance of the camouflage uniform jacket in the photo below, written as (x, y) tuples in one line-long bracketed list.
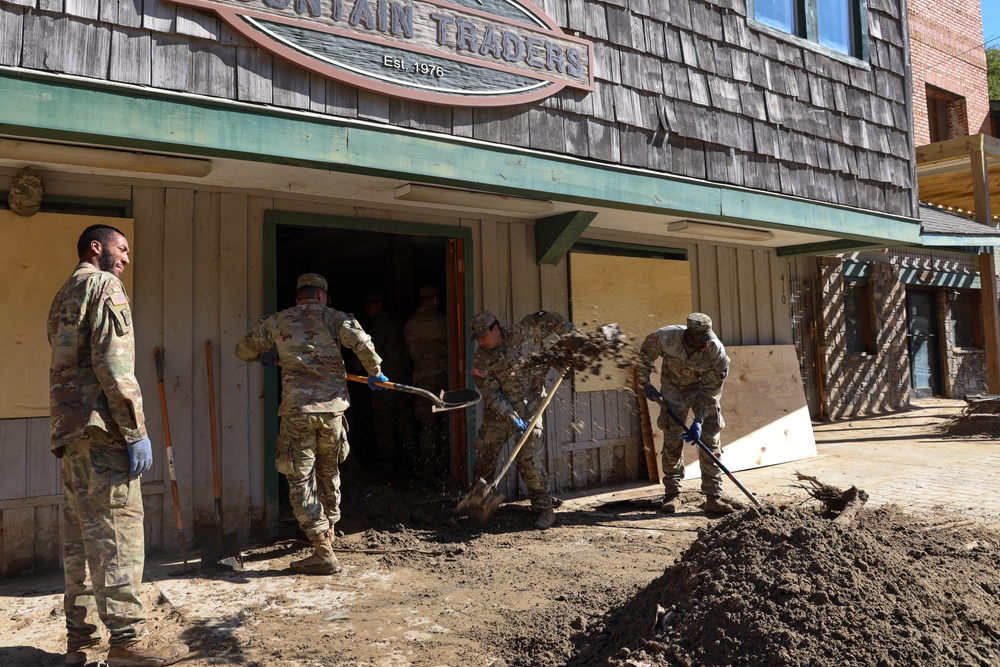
[(426, 336), (499, 373), (703, 371), (92, 375), (308, 337)]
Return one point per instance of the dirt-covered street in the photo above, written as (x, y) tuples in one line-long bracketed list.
[(614, 582)]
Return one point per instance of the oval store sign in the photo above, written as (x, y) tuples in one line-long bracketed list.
[(461, 53)]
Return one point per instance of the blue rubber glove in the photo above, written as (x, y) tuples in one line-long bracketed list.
[(695, 432), (268, 359), (519, 425), (372, 379), (140, 457)]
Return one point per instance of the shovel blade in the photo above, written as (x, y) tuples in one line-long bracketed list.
[(481, 501), (220, 552), (456, 399)]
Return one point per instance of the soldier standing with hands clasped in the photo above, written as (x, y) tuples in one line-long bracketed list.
[(312, 439), (99, 435), (694, 369)]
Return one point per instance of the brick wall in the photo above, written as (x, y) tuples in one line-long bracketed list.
[(870, 383), (945, 40)]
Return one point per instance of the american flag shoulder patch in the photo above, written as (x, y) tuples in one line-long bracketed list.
[(119, 299)]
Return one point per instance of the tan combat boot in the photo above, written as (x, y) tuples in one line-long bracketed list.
[(670, 503), (545, 519), (322, 560), (78, 656), (146, 653), (716, 505)]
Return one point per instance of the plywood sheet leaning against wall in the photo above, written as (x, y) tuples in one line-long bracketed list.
[(764, 405)]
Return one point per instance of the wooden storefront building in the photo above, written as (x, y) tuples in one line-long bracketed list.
[(671, 164)]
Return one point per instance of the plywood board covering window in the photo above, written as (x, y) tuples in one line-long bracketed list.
[(641, 294), (39, 255)]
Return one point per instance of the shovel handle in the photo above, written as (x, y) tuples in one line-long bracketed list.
[(650, 390), (527, 432), (178, 522), (399, 387)]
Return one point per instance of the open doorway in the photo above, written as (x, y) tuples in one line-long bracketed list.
[(361, 258)]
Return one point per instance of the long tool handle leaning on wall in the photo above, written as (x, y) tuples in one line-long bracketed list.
[(216, 476), (170, 457), (652, 393)]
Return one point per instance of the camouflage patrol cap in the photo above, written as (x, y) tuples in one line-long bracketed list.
[(428, 291), (700, 325), (481, 323), (312, 280)]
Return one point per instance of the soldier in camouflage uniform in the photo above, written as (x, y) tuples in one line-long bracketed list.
[(312, 439), (694, 368), (426, 336), (392, 411), (99, 435), (512, 394)]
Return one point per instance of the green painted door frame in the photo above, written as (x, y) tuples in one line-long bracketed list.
[(272, 219)]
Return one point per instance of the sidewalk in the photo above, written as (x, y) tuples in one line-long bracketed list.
[(906, 458)]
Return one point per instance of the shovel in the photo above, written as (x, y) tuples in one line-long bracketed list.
[(651, 393), (448, 400), (219, 552), (170, 459), (483, 498)]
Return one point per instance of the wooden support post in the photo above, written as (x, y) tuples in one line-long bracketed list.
[(555, 235), (987, 272)]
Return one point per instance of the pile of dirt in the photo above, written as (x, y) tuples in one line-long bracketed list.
[(793, 588)]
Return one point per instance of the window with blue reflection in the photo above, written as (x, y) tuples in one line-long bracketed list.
[(836, 24), (779, 14)]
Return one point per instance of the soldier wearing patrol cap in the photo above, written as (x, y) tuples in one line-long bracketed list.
[(312, 438), (99, 436), (694, 369), (512, 395), (426, 337)]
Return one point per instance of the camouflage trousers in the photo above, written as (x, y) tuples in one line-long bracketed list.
[(672, 456), (493, 433), (311, 447), (103, 547), (433, 427)]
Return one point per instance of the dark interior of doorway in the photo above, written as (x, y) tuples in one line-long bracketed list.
[(355, 263)]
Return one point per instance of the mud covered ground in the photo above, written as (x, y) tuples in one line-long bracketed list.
[(614, 583)]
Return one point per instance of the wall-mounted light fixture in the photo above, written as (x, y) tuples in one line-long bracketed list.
[(703, 229), (39, 153), (429, 194)]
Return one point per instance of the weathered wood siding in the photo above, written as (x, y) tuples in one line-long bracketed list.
[(685, 87), (198, 261)]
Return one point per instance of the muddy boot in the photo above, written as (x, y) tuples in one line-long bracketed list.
[(670, 503), (78, 656), (716, 505), (146, 653), (545, 519), (322, 560)]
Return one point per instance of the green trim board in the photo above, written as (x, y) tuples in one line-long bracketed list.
[(555, 235), (617, 248), (272, 387), (105, 208), (53, 107), (826, 248)]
